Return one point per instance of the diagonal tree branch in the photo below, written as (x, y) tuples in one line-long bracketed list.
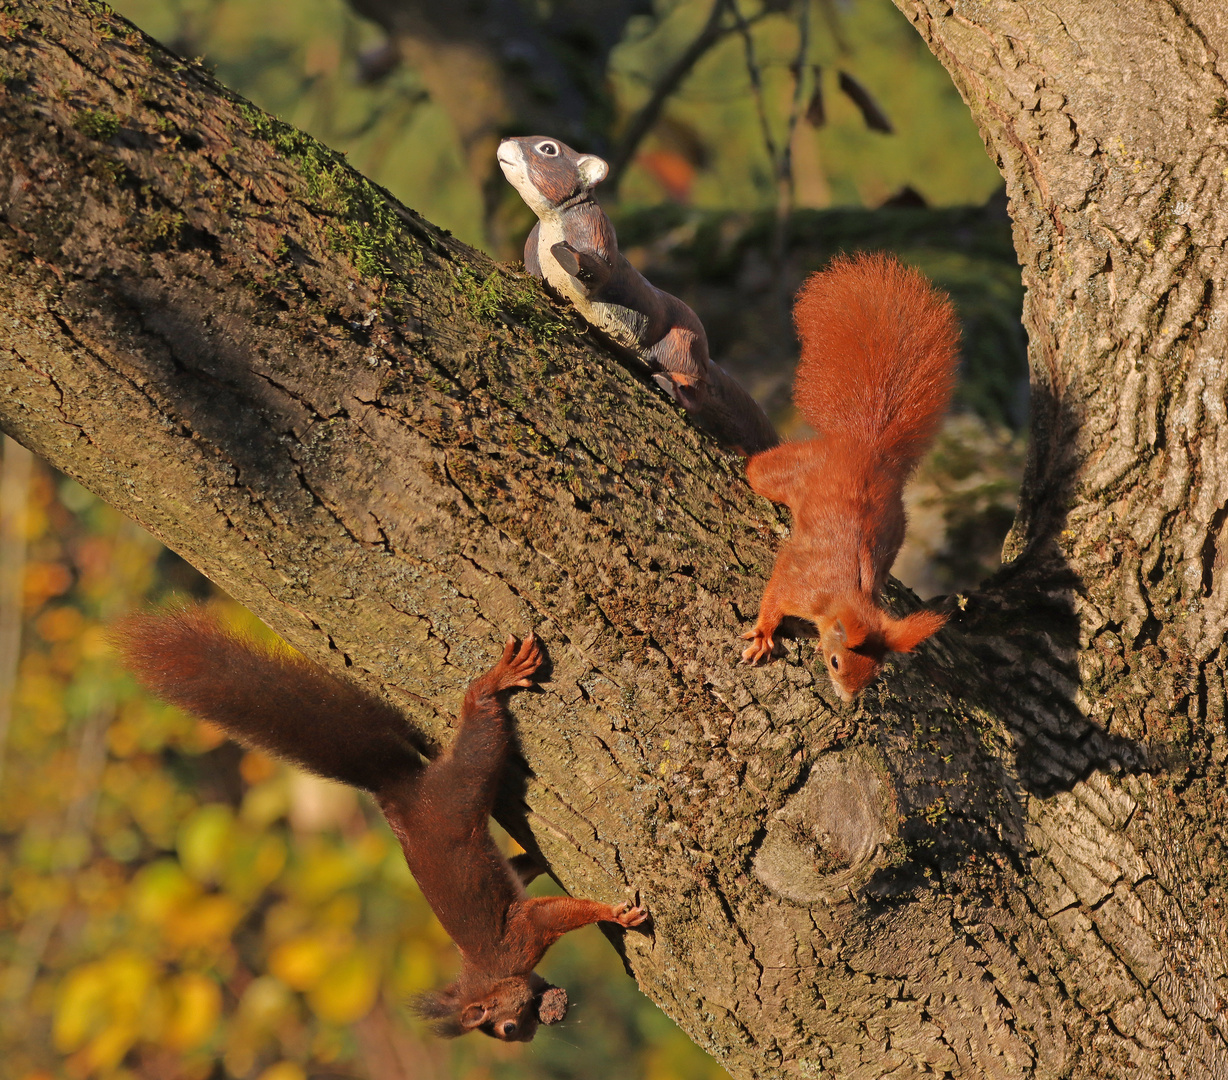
[(394, 452)]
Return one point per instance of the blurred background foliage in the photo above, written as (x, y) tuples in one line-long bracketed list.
[(172, 906)]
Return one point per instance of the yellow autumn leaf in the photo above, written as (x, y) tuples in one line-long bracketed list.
[(95, 645), (205, 841), (415, 969), (265, 1003), (153, 802), (206, 922), (374, 846), (256, 767), (131, 977), (60, 624), (270, 859), (266, 802), (302, 961), (324, 870), (194, 1007), (44, 580), (254, 863), (348, 989), (123, 737), (341, 912), (106, 1049), (32, 891), (81, 1006), (103, 1008), (161, 888), (283, 1070)]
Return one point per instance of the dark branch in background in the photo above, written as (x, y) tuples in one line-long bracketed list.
[(834, 27), (756, 82), (782, 158), (871, 112), (816, 113), (501, 67), (784, 179), (644, 120)]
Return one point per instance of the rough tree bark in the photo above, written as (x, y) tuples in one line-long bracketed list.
[(1007, 859)]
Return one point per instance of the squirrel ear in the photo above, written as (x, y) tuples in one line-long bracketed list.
[(904, 635), (473, 1015), (592, 170), (849, 630)]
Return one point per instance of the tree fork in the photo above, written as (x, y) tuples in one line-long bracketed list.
[(395, 452)]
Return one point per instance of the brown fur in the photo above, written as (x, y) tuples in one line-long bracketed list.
[(878, 356), (285, 705)]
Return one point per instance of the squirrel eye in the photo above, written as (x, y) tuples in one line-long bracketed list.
[(509, 1029), (549, 149), (835, 663)]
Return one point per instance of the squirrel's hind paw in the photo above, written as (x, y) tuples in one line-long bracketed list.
[(626, 915), (516, 667)]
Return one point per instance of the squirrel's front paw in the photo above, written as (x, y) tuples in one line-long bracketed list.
[(761, 646), (567, 257), (587, 267), (626, 915), (685, 390)]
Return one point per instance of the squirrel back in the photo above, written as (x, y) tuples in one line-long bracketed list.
[(878, 356)]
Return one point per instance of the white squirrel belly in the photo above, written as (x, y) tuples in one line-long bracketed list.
[(615, 321)]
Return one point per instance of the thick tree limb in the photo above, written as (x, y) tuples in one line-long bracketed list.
[(395, 452)]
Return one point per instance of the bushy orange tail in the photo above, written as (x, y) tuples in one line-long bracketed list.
[(878, 355), (270, 699)]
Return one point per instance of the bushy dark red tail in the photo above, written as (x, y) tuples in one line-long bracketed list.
[(878, 355), (269, 699)]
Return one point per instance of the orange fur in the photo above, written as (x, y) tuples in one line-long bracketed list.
[(878, 357), (296, 710)]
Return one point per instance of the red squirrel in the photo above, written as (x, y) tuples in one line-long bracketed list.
[(573, 248), (285, 705), (878, 358)]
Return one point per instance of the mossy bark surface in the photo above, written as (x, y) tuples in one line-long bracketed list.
[(1006, 860)]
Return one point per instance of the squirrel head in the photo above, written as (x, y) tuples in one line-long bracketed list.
[(548, 173), (855, 642), (508, 1009)]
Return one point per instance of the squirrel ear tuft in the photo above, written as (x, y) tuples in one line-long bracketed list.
[(592, 170), (552, 1006), (904, 635)]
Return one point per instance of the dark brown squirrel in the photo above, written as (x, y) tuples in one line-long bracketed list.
[(574, 250), (283, 704), (878, 357)]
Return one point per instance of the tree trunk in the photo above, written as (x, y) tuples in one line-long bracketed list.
[(1006, 859)]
